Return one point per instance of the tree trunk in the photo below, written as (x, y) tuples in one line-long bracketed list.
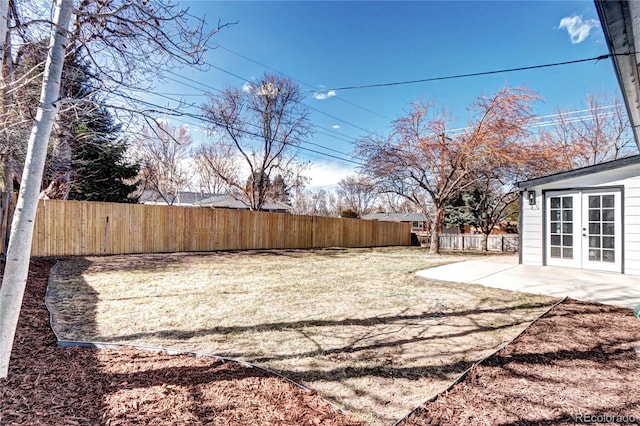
[(4, 24), (7, 161), (60, 185), (434, 248), (18, 253), (484, 242)]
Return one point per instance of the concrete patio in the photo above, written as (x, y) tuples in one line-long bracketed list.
[(505, 272)]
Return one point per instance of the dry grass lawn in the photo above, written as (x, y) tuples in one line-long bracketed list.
[(355, 324)]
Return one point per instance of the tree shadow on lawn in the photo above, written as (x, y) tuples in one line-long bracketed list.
[(579, 361), (382, 372), (180, 334), (379, 367), (48, 384)]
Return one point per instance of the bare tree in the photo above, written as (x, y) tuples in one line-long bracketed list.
[(161, 151), (357, 193), (263, 122), (598, 131), (318, 202), (211, 158), (421, 163)]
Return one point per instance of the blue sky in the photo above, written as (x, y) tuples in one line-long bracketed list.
[(329, 44)]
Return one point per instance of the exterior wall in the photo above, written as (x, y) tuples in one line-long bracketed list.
[(530, 234), (632, 227), (532, 216)]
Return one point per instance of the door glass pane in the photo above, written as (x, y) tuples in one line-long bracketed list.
[(608, 242), (608, 228), (608, 256), (601, 228), (561, 227), (607, 215)]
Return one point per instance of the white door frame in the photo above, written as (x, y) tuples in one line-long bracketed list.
[(583, 228)]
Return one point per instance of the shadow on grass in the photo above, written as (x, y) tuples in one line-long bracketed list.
[(576, 363), (296, 325), (48, 384)]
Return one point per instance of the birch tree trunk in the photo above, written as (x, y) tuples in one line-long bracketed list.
[(18, 253), (4, 23)]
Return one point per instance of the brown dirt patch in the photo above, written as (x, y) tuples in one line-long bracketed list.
[(580, 363), (81, 386)]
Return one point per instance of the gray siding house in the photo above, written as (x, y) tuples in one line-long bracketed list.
[(586, 218)]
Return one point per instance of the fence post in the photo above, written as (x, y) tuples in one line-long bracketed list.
[(462, 241), (502, 243)]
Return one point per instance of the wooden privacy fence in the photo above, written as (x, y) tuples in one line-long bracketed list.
[(86, 228), (503, 243)]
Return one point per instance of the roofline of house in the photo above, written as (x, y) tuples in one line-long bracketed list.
[(609, 165), (619, 19)]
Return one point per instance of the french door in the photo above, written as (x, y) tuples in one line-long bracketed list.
[(584, 229)]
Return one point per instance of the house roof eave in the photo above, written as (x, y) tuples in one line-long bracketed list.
[(583, 171)]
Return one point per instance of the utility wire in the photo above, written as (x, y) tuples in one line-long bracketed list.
[(354, 140), (255, 125), (303, 82), (308, 106), (208, 120), (475, 74)]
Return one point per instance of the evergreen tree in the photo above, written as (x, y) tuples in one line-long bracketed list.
[(100, 170), (86, 158)]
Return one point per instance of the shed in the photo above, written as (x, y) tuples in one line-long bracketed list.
[(587, 218)]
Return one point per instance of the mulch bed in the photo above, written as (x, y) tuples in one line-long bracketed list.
[(577, 364)]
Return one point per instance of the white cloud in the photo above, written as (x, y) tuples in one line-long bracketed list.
[(247, 87), (322, 95), (335, 126), (577, 28), (324, 173)]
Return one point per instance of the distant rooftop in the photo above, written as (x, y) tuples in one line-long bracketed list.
[(396, 217)]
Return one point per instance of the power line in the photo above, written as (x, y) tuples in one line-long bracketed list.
[(314, 109), (208, 120), (308, 106), (301, 81), (475, 74)]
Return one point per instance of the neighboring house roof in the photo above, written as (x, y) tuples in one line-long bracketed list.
[(205, 199), (609, 165), (181, 198), (396, 217), (228, 201), (621, 25)]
